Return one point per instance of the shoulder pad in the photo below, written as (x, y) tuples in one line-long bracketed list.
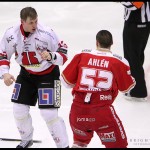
[(117, 56), (9, 29), (86, 50)]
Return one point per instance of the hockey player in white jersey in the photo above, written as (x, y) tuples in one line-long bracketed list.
[(39, 53)]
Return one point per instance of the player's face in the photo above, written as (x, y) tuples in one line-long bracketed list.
[(30, 25)]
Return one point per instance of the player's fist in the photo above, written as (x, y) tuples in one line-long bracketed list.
[(45, 55), (8, 79)]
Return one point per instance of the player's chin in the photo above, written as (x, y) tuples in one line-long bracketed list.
[(33, 30)]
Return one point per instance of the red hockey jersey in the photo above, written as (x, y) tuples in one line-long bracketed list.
[(98, 76)]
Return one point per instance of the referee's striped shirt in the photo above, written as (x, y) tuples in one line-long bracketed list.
[(137, 12)]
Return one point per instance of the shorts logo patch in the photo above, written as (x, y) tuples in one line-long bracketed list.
[(108, 137), (16, 91), (45, 96)]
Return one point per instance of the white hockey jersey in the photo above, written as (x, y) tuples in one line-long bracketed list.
[(27, 49)]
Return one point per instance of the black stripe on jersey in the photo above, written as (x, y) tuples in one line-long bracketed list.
[(3, 57), (64, 51), (127, 5), (146, 15)]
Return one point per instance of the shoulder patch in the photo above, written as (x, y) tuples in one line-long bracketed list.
[(117, 56), (86, 50)]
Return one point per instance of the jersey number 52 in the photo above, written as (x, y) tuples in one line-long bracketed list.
[(98, 78)]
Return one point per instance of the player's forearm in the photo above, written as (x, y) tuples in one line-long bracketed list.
[(3, 70), (62, 55), (4, 63), (59, 59)]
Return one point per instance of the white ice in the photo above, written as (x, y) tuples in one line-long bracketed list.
[(77, 24)]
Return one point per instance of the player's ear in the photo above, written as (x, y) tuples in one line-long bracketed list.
[(112, 43), (21, 21), (97, 44)]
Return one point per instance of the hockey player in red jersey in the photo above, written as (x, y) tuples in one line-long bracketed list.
[(96, 77), (39, 52)]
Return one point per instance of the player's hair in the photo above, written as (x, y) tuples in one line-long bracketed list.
[(28, 12), (104, 38)]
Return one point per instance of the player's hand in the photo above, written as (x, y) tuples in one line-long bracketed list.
[(45, 55), (8, 79)]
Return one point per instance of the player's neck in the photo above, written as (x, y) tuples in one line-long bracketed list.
[(103, 49), (24, 33)]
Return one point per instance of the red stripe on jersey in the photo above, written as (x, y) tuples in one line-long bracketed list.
[(4, 62), (64, 57), (42, 72), (21, 29)]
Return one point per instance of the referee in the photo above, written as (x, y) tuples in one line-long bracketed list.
[(135, 36)]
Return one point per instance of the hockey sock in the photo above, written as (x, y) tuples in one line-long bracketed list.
[(23, 121)]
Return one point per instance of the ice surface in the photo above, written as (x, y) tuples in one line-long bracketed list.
[(77, 24)]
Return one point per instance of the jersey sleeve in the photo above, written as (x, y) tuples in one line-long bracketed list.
[(5, 54), (70, 73), (132, 5), (123, 76), (59, 50)]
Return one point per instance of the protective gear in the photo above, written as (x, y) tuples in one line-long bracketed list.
[(23, 121), (56, 127)]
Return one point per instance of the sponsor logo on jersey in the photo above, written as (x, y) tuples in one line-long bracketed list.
[(79, 132), (90, 89), (57, 93), (118, 123), (16, 91), (32, 66), (105, 97), (86, 119), (10, 38), (41, 45), (46, 32), (10, 28), (108, 137), (86, 50)]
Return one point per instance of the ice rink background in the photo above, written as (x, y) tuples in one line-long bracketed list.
[(77, 24)]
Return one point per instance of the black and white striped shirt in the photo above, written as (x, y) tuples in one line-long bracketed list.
[(136, 15)]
